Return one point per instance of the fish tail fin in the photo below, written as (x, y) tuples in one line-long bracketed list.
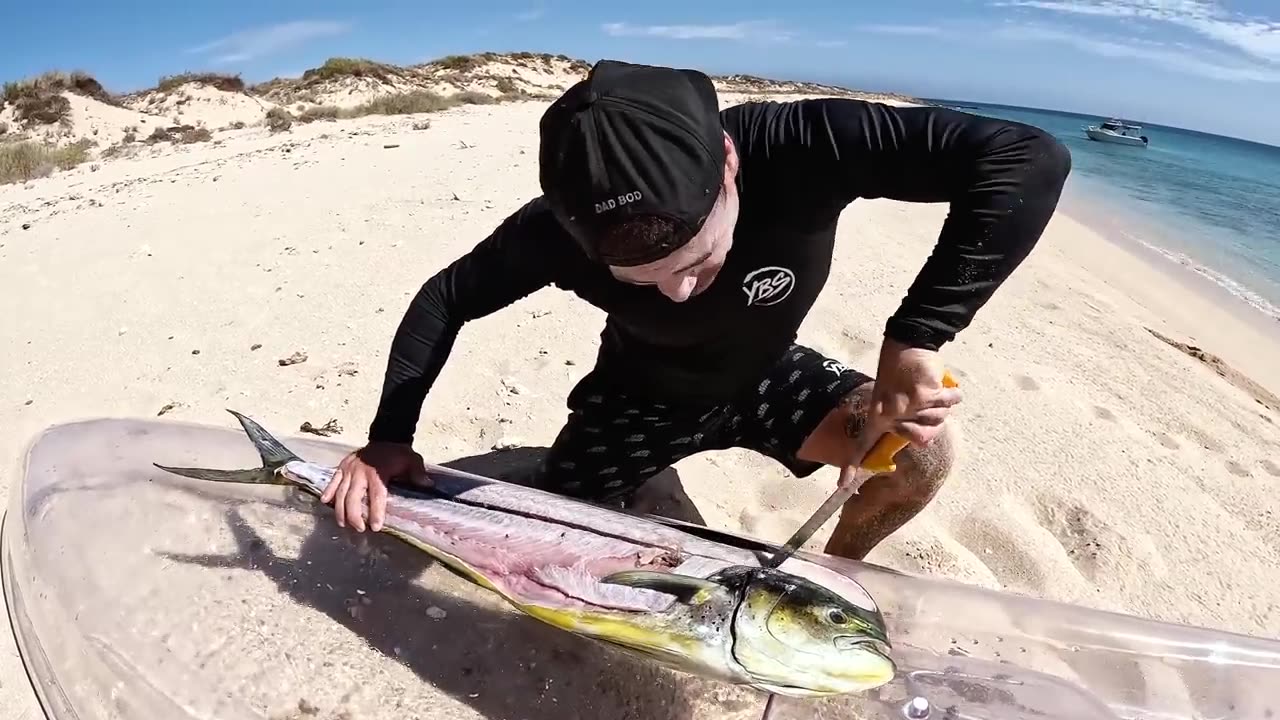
[(273, 453)]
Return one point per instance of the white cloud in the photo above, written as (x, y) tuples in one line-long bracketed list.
[(901, 29), (765, 30), (1171, 56), (260, 41), (1258, 37)]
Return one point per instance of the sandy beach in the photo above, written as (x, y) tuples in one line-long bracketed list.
[(1104, 458)]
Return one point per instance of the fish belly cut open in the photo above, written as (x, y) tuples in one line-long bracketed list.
[(540, 561)]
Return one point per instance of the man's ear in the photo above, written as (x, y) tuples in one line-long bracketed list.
[(730, 158)]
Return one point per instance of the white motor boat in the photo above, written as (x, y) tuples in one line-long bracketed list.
[(1118, 132)]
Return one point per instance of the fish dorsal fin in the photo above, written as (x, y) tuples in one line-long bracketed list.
[(688, 589), (273, 453)]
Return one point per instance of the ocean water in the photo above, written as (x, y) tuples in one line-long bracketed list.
[(1207, 202)]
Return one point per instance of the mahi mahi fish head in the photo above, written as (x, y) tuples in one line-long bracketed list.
[(796, 637)]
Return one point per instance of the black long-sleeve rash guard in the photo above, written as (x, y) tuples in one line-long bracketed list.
[(801, 164)]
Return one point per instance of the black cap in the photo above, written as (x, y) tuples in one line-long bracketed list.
[(629, 140)]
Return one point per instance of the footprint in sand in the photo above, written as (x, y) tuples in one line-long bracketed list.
[(1086, 539), (1168, 441), (1026, 383), (929, 555), (1237, 469), (1103, 413), (1205, 440), (1003, 553), (1271, 468)]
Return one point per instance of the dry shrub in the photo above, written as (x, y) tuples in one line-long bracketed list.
[(459, 63), (320, 112), (424, 101), (278, 119), (505, 85), (474, 97), (23, 161), (57, 82), (336, 67), (268, 86), (120, 150), (183, 134), (40, 100), (4, 128), (417, 101), (42, 109), (190, 135), (226, 83)]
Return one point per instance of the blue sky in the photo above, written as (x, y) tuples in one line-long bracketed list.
[(1201, 64)]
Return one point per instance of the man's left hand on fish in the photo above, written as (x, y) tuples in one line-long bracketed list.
[(706, 236)]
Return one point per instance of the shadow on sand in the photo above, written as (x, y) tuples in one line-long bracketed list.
[(483, 653)]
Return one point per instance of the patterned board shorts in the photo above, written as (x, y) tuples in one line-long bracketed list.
[(613, 443)]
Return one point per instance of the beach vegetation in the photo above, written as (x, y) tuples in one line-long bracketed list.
[(29, 160), (320, 112), (459, 63), (338, 67), (278, 119), (226, 83), (180, 134), (42, 109), (189, 135), (123, 149), (413, 102), (40, 100), (56, 82), (474, 97)]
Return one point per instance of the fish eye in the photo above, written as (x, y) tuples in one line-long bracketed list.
[(837, 618)]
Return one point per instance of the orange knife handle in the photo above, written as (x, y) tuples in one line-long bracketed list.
[(880, 459)]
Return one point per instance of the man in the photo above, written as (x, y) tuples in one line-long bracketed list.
[(706, 236)]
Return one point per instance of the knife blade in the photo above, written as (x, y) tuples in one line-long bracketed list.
[(877, 462)]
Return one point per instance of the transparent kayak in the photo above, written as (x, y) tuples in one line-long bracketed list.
[(134, 594)]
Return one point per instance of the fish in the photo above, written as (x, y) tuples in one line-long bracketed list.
[(702, 607)]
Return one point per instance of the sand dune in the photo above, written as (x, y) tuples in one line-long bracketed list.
[(1100, 463), (58, 109), (199, 103)]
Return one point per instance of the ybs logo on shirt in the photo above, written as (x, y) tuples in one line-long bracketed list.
[(768, 285)]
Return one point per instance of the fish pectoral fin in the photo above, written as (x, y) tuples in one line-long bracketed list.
[(688, 589)]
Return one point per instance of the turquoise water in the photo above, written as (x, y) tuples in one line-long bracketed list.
[(1208, 202)]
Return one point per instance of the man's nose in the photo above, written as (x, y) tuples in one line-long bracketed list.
[(679, 289)]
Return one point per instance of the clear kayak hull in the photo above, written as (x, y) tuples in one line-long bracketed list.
[(137, 594)]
